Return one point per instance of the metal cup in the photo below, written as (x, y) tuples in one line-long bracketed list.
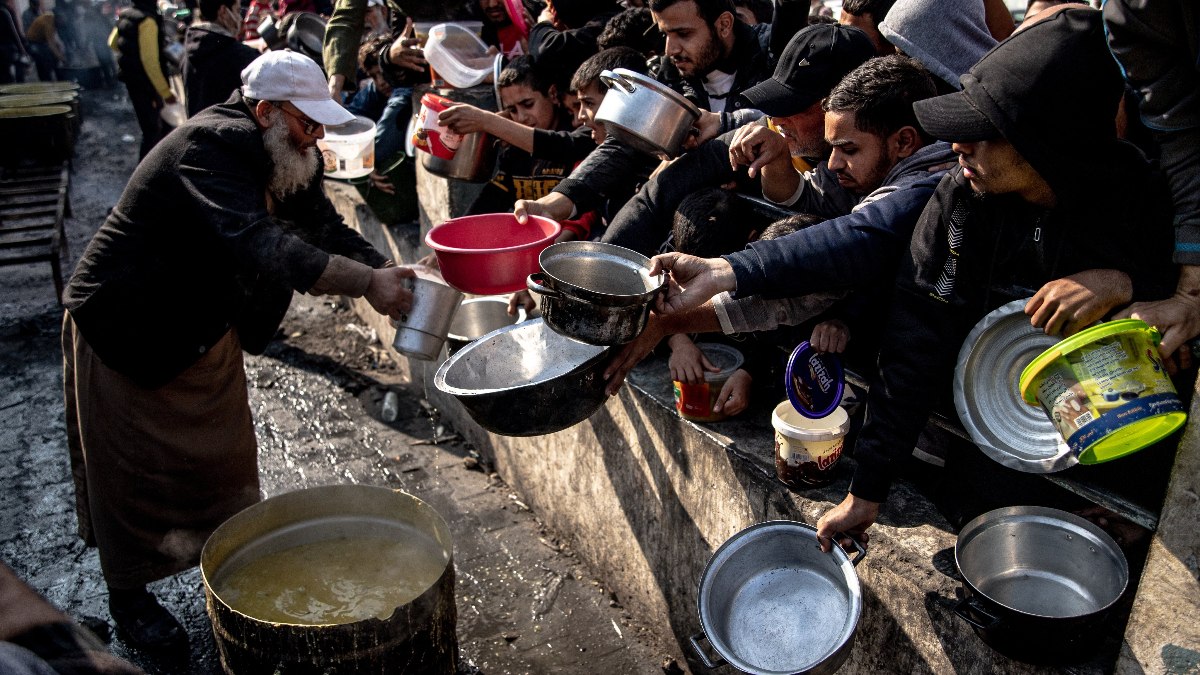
[(421, 333)]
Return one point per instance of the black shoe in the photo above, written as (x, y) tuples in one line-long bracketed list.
[(144, 624)]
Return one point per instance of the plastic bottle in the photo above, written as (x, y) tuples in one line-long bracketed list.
[(391, 407)]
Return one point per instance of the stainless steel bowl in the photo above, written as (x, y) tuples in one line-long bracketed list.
[(474, 161), (477, 317), (772, 603), (526, 380)]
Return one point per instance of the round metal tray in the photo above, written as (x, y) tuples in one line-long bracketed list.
[(988, 399)]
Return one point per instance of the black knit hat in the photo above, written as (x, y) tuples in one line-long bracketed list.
[(1051, 90), (814, 61)]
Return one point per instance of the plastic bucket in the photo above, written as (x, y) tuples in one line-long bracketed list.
[(432, 137), (695, 401), (457, 55), (348, 150), (1105, 390), (807, 449)]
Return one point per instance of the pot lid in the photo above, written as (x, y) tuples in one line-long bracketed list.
[(34, 111), (988, 400), (814, 381)]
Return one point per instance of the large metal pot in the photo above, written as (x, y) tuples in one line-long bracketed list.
[(526, 380), (474, 161), (599, 293), (418, 637), (1037, 581), (477, 317), (772, 603), (645, 113)]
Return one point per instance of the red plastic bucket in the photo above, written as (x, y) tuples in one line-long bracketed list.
[(491, 253), (430, 136)]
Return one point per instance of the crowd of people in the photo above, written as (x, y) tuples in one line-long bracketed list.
[(938, 161)]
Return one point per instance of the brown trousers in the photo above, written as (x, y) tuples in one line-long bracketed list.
[(157, 470)]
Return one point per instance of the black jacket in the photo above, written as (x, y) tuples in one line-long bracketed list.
[(129, 59), (971, 254), (190, 251), (212, 66)]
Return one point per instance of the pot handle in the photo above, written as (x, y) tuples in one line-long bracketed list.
[(704, 658), (860, 551), (612, 80), (966, 605), (536, 283)]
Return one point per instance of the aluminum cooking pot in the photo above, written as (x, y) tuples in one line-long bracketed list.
[(477, 317), (474, 161), (644, 113), (772, 603), (1038, 581), (526, 380), (595, 292)]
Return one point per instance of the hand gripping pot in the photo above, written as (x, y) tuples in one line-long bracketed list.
[(645, 113), (772, 603), (597, 293)]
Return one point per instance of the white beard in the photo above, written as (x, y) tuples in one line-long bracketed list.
[(293, 169)]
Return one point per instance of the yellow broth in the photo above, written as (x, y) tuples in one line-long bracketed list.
[(333, 581)]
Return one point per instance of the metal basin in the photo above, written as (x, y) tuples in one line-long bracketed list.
[(772, 603), (595, 292), (477, 317), (1038, 580), (644, 113), (526, 380)]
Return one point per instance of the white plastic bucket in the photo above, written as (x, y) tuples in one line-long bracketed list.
[(348, 150), (807, 449)]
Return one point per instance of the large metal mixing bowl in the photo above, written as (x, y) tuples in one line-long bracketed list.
[(526, 380)]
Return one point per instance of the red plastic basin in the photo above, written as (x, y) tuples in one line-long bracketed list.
[(491, 253)]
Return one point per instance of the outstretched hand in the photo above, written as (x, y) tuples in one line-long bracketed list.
[(632, 354), (692, 282), (853, 516), (1068, 305)]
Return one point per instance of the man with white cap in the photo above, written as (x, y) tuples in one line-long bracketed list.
[(217, 227)]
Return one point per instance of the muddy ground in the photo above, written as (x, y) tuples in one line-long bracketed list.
[(525, 603)]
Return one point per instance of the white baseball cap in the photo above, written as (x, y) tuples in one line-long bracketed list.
[(291, 76)]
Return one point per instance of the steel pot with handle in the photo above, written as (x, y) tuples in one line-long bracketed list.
[(645, 113), (1038, 581), (772, 603), (474, 161), (598, 293)]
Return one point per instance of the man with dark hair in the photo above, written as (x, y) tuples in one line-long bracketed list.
[(633, 28), (216, 230), (565, 33), (213, 58), (866, 15), (138, 38), (879, 154)]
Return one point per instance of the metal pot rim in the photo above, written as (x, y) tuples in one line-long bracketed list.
[(606, 250), (439, 378), (843, 562), (1043, 515)]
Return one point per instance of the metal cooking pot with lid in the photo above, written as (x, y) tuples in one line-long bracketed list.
[(772, 603), (598, 293), (1037, 581), (645, 113)]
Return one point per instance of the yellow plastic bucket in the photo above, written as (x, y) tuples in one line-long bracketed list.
[(1105, 390)]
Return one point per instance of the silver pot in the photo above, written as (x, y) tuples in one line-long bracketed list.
[(477, 317), (526, 380), (644, 113), (772, 603), (599, 293), (474, 161), (1038, 581)]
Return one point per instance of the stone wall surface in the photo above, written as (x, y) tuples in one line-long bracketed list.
[(646, 498)]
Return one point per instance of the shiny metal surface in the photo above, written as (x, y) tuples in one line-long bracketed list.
[(474, 161), (986, 394), (526, 380), (644, 113), (604, 273), (477, 317), (771, 602), (423, 330), (1041, 562)]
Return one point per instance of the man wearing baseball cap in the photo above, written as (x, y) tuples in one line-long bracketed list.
[(1045, 197), (218, 226)]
